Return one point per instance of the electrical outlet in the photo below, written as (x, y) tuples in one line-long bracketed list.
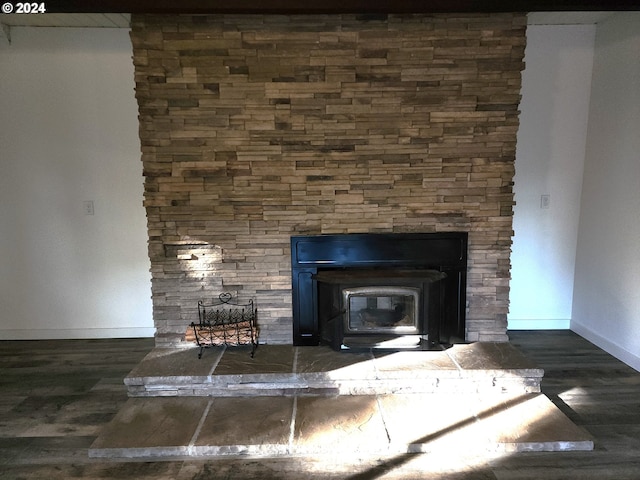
[(545, 201), (87, 206)]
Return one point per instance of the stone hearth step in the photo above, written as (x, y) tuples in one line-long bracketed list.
[(360, 425), (285, 370), (480, 397)]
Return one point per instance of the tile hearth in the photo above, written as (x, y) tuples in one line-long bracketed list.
[(312, 400)]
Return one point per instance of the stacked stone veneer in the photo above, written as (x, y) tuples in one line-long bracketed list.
[(255, 128)]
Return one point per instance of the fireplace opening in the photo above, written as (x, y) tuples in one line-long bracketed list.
[(377, 307), (381, 309), (379, 290)]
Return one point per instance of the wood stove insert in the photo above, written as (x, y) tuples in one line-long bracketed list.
[(379, 290)]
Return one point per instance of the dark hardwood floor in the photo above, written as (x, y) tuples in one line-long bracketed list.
[(55, 396)]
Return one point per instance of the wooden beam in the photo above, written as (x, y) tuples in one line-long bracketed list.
[(333, 6)]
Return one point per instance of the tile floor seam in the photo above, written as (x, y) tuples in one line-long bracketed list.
[(374, 363), (458, 366), (217, 360), (292, 424), (384, 420), (196, 433), (294, 367)]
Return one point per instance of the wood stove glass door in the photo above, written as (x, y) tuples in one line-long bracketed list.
[(381, 310)]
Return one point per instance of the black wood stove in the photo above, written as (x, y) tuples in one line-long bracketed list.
[(397, 291)]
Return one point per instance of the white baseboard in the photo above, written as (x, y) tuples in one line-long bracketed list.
[(608, 346), (75, 333), (539, 324)]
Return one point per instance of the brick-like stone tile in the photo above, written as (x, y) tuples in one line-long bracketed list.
[(255, 128)]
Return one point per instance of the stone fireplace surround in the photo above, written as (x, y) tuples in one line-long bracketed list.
[(257, 128)]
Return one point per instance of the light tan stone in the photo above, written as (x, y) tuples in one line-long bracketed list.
[(411, 121)]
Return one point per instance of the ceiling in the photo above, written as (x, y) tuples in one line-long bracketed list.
[(566, 18), (105, 20), (122, 20)]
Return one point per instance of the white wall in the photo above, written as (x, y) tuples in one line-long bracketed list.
[(68, 133), (606, 307), (550, 153)]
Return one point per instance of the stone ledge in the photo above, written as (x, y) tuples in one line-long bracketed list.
[(288, 370)]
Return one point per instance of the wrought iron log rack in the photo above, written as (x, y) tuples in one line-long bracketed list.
[(224, 321)]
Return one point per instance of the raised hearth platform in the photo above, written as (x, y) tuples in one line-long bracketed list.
[(288, 370), (481, 398)]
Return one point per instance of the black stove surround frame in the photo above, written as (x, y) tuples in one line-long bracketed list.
[(445, 252)]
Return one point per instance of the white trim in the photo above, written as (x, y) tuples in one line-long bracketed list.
[(608, 346), (76, 333), (539, 324)]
